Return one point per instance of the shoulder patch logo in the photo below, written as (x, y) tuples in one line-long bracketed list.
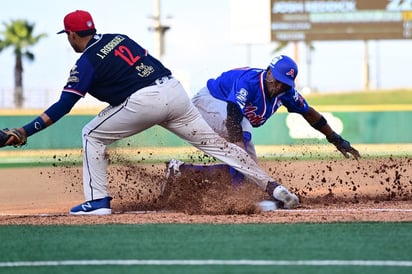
[(74, 71)]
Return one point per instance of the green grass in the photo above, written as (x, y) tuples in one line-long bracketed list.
[(266, 153), (272, 242), (394, 97)]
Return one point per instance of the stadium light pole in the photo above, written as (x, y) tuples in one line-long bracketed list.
[(366, 79), (159, 29)]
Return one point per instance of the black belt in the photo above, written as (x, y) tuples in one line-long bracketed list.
[(161, 80)]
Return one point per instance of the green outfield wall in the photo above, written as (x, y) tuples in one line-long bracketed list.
[(360, 127)]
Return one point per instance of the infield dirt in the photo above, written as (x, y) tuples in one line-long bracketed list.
[(330, 191)]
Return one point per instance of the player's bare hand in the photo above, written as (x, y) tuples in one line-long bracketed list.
[(346, 150), (343, 146)]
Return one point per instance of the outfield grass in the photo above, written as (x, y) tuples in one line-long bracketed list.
[(392, 97), (373, 97), (185, 248)]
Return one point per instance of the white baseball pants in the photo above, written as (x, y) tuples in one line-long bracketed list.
[(214, 111), (168, 105)]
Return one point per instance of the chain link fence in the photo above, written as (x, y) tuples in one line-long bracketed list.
[(33, 98)]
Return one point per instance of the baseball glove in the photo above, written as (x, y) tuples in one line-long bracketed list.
[(12, 137)]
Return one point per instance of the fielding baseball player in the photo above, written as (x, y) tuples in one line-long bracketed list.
[(141, 92), (240, 99)]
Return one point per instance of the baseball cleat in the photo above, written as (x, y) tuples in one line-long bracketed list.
[(289, 199), (94, 207), (173, 169), (172, 172)]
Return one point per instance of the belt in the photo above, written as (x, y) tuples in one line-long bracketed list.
[(161, 80)]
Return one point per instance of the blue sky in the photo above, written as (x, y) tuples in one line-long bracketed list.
[(198, 46)]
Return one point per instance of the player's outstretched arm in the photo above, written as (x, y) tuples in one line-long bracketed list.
[(317, 121), (17, 137)]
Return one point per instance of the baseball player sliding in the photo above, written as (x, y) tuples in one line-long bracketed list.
[(240, 99), (141, 93)]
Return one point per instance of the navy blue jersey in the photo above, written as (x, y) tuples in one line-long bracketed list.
[(112, 67), (244, 87)]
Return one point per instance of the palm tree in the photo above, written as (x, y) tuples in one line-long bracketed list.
[(19, 35)]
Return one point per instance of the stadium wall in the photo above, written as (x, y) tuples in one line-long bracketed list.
[(360, 127)]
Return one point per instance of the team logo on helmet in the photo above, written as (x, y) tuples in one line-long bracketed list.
[(284, 69), (291, 73)]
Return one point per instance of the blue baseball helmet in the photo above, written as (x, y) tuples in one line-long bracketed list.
[(284, 69)]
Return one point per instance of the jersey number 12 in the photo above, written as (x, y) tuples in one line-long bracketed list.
[(126, 54)]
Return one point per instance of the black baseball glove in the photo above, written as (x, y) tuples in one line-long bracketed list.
[(343, 146), (12, 137)]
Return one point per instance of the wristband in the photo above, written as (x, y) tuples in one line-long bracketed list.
[(334, 138), (34, 126)]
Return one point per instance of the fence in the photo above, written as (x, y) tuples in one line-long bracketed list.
[(33, 97)]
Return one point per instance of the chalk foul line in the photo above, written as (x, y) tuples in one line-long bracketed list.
[(379, 263), (400, 210)]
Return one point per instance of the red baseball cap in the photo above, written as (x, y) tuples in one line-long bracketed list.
[(78, 20)]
